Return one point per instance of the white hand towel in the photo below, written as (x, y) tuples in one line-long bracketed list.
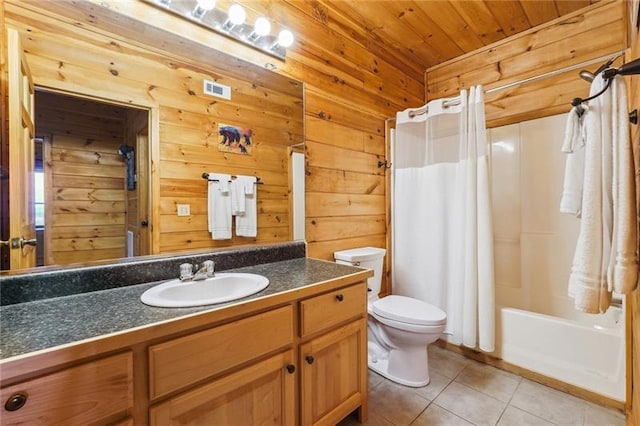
[(587, 281), (622, 274), (573, 145), (219, 206), (237, 196), (247, 223)]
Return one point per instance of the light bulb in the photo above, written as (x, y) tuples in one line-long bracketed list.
[(206, 5), (237, 14), (262, 27), (285, 38)]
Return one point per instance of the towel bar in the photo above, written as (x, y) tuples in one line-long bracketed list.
[(206, 176)]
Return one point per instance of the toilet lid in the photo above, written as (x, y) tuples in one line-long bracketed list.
[(411, 311)]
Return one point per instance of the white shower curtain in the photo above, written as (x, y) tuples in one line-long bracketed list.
[(441, 208)]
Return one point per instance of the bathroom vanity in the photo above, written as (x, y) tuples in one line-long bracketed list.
[(294, 353)]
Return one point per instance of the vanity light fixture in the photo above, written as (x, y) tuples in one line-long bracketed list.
[(232, 23), (202, 7), (261, 28), (236, 16)]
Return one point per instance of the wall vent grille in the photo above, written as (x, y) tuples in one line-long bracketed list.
[(212, 88)]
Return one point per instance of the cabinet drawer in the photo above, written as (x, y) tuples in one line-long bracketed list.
[(186, 360), (324, 311), (93, 393)]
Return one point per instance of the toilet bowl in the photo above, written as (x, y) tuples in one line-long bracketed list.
[(399, 328)]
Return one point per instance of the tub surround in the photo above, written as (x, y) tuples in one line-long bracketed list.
[(137, 364)]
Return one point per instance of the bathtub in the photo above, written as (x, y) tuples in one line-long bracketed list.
[(589, 356)]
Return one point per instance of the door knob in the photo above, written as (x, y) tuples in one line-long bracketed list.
[(25, 242), (144, 223), (310, 359), (339, 297), (291, 368)]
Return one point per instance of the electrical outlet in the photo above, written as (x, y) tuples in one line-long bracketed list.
[(184, 209)]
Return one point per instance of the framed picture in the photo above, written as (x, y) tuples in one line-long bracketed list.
[(235, 139)]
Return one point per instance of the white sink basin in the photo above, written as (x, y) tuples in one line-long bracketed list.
[(224, 287)]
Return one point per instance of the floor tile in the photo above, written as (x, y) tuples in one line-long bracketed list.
[(436, 385), (487, 379), (435, 415), (374, 379), (445, 362), (513, 416), (552, 405), (352, 420), (396, 403), (601, 416), (472, 405)]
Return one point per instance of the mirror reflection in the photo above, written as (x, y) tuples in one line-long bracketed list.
[(91, 180), (123, 134)]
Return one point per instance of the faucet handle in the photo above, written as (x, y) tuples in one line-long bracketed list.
[(209, 266), (186, 271)]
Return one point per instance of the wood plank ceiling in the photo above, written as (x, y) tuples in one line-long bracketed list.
[(429, 32)]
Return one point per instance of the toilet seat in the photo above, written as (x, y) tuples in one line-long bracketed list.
[(408, 311)]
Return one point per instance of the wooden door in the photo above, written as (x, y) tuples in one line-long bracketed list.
[(22, 230), (334, 375), (261, 394)]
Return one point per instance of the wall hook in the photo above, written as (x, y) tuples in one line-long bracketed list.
[(384, 164)]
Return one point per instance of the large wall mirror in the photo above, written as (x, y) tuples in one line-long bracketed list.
[(123, 134)]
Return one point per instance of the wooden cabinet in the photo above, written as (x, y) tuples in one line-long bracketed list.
[(96, 392), (195, 357), (261, 394), (300, 360), (333, 365)]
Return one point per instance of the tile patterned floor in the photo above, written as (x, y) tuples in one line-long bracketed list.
[(464, 392)]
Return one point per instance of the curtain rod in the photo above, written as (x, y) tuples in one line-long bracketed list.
[(456, 100)]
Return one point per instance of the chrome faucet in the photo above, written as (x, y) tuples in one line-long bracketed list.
[(189, 272), (200, 273)]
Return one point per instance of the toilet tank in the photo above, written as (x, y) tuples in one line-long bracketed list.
[(365, 257)]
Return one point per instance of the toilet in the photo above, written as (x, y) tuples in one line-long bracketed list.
[(399, 328)]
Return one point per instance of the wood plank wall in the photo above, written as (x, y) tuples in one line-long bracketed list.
[(352, 84), (71, 59), (633, 300), (591, 33), (84, 184), (4, 145)]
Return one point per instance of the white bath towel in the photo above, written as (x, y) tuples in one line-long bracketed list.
[(219, 206), (573, 146), (237, 196), (605, 256), (622, 274), (247, 222)]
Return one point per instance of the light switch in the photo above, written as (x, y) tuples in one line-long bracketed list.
[(184, 209)]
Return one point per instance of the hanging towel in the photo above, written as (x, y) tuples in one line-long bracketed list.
[(573, 146), (237, 196), (247, 222), (605, 258), (622, 273), (219, 206)]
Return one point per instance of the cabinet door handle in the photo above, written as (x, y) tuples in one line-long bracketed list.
[(310, 359), (16, 401), (291, 368), (339, 297)]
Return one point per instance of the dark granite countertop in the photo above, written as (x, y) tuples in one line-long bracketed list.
[(43, 324)]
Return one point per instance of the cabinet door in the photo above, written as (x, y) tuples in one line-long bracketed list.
[(97, 392), (334, 375), (261, 394)]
